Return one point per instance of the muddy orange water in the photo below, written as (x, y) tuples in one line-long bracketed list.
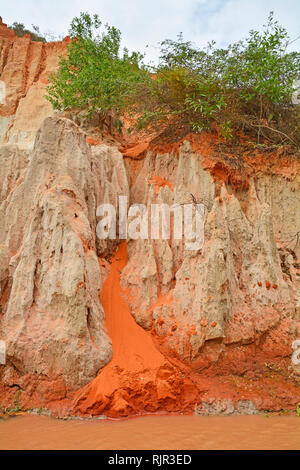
[(152, 432)]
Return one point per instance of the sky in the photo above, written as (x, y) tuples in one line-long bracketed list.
[(147, 22)]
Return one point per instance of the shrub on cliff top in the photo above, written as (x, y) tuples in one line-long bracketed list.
[(96, 76), (20, 31), (247, 86)]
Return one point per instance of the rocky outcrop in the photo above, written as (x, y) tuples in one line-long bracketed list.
[(5, 32), (24, 68), (224, 317), (53, 322), (235, 289)]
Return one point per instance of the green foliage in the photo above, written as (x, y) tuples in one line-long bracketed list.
[(298, 410), (96, 76), (246, 86), (261, 67), (14, 409), (20, 31), (10, 410)]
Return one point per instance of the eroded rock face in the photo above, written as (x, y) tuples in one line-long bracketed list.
[(53, 322), (5, 32), (24, 68), (224, 317), (110, 180), (151, 326), (235, 289)]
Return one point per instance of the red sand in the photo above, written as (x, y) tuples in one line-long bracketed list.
[(139, 378)]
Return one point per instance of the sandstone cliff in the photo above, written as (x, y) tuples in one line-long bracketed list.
[(93, 327)]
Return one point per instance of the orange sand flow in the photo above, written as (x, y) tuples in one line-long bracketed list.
[(133, 347), (139, 378)]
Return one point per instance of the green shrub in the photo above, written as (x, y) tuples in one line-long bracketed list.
[(96, 76), (20, 31), (247, 86), (244, 87)]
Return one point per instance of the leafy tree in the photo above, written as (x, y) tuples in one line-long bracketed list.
[(245, 86), (265, 76), (96, 76)]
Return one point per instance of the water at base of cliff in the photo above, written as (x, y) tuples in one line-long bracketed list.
[(152, 432)]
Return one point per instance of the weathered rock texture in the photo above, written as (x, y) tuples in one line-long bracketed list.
[(94, 328), (235, 288), (53, 319), (24, 68)]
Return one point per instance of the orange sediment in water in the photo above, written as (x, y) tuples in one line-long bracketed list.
[(152, 432)]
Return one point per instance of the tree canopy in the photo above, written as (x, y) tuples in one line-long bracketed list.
[(245, 87)]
